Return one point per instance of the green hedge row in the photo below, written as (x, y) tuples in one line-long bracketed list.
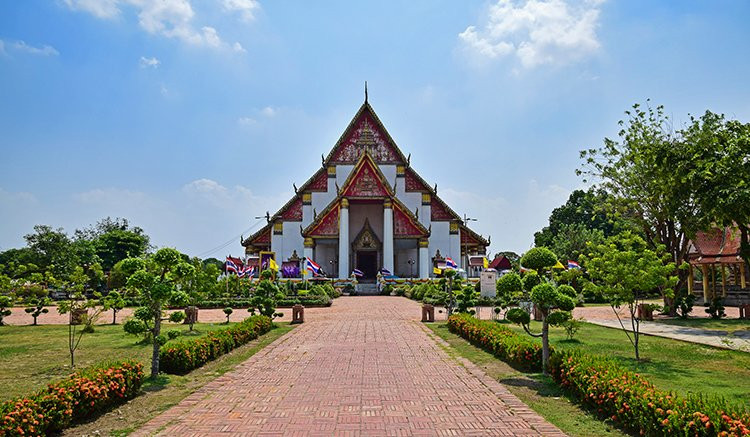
[(601, 384), (184, 356), (71, 400)]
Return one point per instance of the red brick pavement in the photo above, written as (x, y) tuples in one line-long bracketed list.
[(364, 367)]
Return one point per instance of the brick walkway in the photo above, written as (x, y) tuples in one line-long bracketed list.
[(364, 367)]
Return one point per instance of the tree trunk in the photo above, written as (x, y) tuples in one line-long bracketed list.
[(114, 317), (35, 320), (157, 346), (545, 345)]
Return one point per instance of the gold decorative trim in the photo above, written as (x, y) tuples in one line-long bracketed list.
[(331, 171), (306, 198), (426, 199), (309, 242), (454, 228), (345, 203), (278, 228), (400, 170), (423, 242), (387, 203)]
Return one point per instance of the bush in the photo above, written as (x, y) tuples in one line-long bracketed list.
[(182, 357), (626, 398), (539, 258), (83, 395)]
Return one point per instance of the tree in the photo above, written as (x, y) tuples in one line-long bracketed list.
[(718, 172), (584, 209), (228, 311), (52, 250), (155, 280), (77, 307), (508, 288), (638, 171), (113, 301), (572, 239), (5, 304), (37, 309), (553, 303), (265, 295), (624, 270)]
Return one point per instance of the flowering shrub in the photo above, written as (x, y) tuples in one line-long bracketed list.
[(624, 397), (182, 357), (498, 340), (82, 395), (632, 402)]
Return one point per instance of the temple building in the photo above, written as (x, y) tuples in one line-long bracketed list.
[(366, 208)]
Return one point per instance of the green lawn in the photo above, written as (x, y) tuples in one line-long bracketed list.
[(535, 390), (671, 365), (729, 325), (32, 356)]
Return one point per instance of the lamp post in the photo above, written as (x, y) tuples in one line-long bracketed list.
[(411, 267), (466, 220)]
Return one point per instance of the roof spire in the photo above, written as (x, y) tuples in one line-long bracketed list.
[(365, 91)]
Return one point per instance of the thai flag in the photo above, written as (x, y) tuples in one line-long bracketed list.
[(385, 272), (312, 266), (573, 265), (358, 273), (230, 266), (450, 264), (247, 271)]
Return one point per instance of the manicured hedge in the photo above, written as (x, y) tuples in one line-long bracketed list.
[(499, 340), (182, 357), (82, 395), (601, 384)]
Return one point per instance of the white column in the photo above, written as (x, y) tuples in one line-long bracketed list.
[(344, 239), (308, 251), (388, 236), (424, 259), (425, 216)]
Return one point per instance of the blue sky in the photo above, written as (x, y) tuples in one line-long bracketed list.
[(192, 117)]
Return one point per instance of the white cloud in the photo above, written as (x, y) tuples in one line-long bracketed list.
[(149, 62), (537, 32), (21, 46), (268, 111), (246, 121), (98, 8), (168, 18), (246, 8), (237, 47)]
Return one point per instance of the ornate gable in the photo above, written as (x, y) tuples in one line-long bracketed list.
[(405, 224), (365, 133), (260, 239), (439, 211), (471, 238), (414, 182), (366, 180), (326, 224), (319, 182), (366, 239), (292, 211)]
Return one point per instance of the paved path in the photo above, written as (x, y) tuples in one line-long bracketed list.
[(364, 367), (739, 340)]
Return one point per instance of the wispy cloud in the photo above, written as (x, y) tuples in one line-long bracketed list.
[(246, 8), (536, 32), (168, 18), (149, 62), (22, 47)]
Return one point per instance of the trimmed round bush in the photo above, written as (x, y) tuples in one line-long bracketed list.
[(539, 258)]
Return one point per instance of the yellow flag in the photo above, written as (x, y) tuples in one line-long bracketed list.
[(272, 264), (436, 271), (558, 266), (486, 263)]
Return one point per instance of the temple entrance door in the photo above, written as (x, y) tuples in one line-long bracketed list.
[(367, 261)]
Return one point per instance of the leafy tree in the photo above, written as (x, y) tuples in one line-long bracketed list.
[(228, 311), (265, 295), (638, 171), (466, 299), (717, 168), (38, 308), (625, 270), (553, 303), (571, 240), (52, 250), (155, 279), (6, 303), (77, 307), (508, 287), (539, 259), (117, 244), (113, 301), (583, 209)]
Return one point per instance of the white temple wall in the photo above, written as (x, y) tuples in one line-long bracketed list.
[(325, 252), (321, 200), (440, 239), (406, 249), (342, 172), (292, 240)]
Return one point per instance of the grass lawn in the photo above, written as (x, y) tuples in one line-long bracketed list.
[(168, 390), (670, 364), (535, 390), (32, 356), (729, 325)]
